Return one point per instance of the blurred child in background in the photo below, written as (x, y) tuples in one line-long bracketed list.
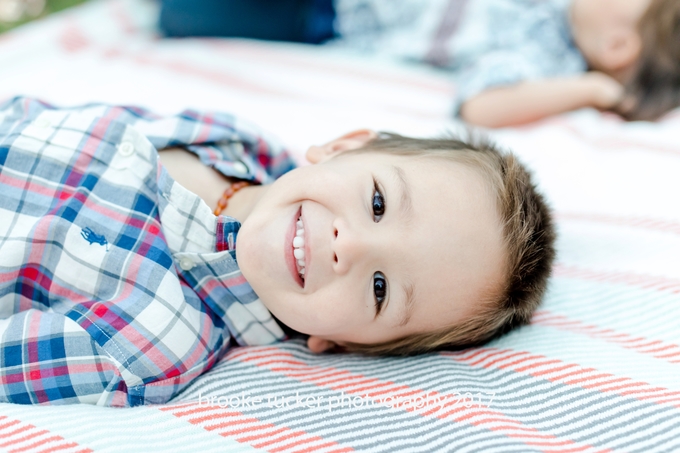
[(514, 61)]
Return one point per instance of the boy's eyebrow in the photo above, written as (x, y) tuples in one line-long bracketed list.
[(406, 210), (409, 290), (406, 205)]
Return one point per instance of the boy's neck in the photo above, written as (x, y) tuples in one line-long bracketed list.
[(241, 204)]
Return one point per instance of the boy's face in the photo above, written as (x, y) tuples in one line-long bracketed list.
[(429, 234), (606, 32)]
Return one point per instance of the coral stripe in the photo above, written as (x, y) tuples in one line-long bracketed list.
[(590, 379), (455, 414), (648, 223), (637, 344), (31, 432), (626, 278)]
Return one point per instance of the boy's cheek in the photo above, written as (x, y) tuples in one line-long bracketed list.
[(314, 318)]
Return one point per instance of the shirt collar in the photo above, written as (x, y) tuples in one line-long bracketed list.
[(204, 250)]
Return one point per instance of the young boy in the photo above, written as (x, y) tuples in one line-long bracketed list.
[(119, 285), (514, 61)]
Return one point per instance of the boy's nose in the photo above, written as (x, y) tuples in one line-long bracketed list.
[(350, 247)]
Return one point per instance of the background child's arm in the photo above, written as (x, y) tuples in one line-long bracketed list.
[(533, 100)]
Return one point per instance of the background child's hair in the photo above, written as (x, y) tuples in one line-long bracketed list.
[(655, 85), (529, 237)]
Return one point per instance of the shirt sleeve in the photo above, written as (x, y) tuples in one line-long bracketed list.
[(47, 358), (495, 69), (94, 308)]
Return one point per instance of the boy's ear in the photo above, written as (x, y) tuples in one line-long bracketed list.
[(319, 345), (351, 140)]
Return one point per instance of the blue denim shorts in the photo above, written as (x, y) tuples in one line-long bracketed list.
[(308, 21)]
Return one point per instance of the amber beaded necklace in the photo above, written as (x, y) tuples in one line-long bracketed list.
[(228, 193)]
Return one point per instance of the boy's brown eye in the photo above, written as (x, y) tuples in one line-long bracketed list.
[(379, 290), (378, 203)]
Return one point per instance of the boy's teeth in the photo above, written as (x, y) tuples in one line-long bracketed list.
[(298, 250)]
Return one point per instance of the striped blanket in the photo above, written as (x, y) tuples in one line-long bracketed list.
[(598, 369)]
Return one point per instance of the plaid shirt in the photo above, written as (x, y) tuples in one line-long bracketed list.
[(118, 286)]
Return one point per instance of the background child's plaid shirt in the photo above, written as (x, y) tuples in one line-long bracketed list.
[(482, 43), (117, 285)]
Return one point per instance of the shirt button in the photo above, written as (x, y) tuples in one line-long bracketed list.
[(126, 149), (186, 264), (43, 123), (240, 167), (238, 147)]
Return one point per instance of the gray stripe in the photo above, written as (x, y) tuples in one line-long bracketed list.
[(535, 402), (439, 54)]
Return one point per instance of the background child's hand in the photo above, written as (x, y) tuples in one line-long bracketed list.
[(535, 99), (607, 92)]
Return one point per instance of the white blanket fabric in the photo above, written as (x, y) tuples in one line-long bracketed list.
[(597, 370)]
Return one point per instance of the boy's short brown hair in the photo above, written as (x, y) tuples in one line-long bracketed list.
[(529, 237), (654, 88)]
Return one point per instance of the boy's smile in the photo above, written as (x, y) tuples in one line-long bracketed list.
[(386, 245), (295, 240)]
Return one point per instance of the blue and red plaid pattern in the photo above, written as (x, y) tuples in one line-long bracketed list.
[(118, 286)]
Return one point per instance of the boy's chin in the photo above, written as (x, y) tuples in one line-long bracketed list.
[(289, 331)]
